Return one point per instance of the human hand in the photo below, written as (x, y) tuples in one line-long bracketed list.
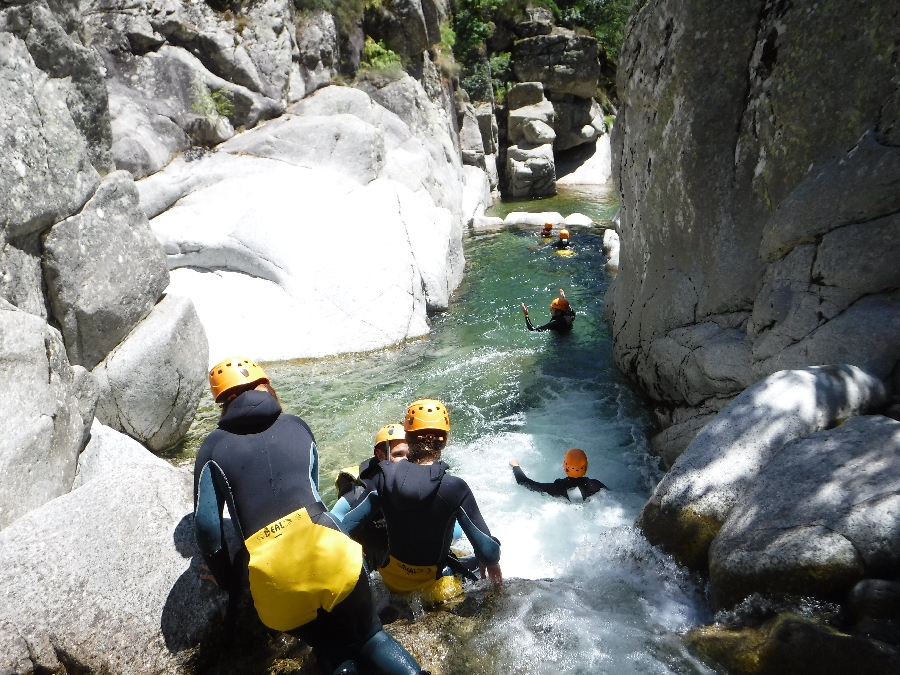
[(514, 462), (492, 572), (562, 294), (524, 309), (208, 576)]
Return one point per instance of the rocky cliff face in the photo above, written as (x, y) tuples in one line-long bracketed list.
[(757, 160)]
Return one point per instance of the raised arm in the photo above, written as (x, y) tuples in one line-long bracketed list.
[(547, 488)]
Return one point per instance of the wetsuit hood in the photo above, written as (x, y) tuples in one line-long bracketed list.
[(250, 413), (409, 484)]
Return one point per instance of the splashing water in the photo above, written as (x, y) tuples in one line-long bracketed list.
[(605, 601)]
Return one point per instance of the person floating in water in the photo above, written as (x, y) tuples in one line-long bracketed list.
[(547, 232), (352, 484), (421, 502), (563, 239), (306, 576), (576, 486), (561, 315)]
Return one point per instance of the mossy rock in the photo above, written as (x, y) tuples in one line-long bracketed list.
[(685, 534), (794, 645)]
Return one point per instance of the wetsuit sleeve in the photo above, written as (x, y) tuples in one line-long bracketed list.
[(554, 489), (486, 547), (457, 530), (209, 530), (361, 514), (529, 324), (593, 486), (340, 509)]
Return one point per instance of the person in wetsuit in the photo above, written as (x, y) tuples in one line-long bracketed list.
[(561, 315), (352, 484), (576, 486), (421, 502), (306, 576), (563, 241)]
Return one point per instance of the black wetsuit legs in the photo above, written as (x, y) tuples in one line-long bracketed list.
[(352, 631)]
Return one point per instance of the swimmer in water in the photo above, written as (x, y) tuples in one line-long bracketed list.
[(576, 486), (561, 315)]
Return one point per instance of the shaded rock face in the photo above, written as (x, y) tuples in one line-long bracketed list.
[(46, 408), (753, 202), (693, 501), (788, 534), (407, 27)]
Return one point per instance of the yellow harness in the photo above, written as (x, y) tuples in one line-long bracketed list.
[(297, 567), (403, 578)]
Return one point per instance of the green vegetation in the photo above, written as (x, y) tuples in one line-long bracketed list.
[(212, 104), (475, 21), (379, 60)]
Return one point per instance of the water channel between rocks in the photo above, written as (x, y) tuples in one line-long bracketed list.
[(615, 605)]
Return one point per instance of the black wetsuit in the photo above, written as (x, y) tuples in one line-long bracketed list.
[(373, 535), (420, 504), (562, 487), (264, 464), (561, 324)]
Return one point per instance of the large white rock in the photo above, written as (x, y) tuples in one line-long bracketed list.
[(329, 230), (690, 504), (106, 578), (611, 249), (530, 171), (476, 194), (46, 408), (823, 514), (108, 451), (151, 382), (596, 169), (535, 219)]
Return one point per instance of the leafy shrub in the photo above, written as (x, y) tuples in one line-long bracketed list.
[(378, 61)]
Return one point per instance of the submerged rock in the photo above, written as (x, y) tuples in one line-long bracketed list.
[(692, 502), (820, 516)]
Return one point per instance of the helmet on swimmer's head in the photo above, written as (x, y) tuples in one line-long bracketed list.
[(428, 414), (389, 432), (547, 228), (575, 463), (232, 376), (560, 303), (564, 234)]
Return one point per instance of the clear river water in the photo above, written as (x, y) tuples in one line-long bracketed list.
[(615, 604)]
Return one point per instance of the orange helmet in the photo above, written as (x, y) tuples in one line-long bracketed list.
[(560, 303), (389, 432), (564, 233), (234, 372), (575, 463), (427, 413), (548, 226)]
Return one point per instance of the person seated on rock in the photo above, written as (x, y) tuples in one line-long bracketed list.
[(306, 576), (352, 484), (576, 486), (561, 315), (563, 241), (421, 502)]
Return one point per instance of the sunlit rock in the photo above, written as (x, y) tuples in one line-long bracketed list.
[(819, 517), (692, 502)]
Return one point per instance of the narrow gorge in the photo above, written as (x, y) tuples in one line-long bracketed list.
[(351, 192)]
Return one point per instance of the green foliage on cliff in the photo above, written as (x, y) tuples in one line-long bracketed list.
[(212, 104), (604, 19), (379, 59)]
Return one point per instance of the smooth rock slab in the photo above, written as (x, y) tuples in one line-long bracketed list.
[(822, 514), (111, 582), (104, 269), (151, 382), (46, 408), (692, 502), (108, 451)]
